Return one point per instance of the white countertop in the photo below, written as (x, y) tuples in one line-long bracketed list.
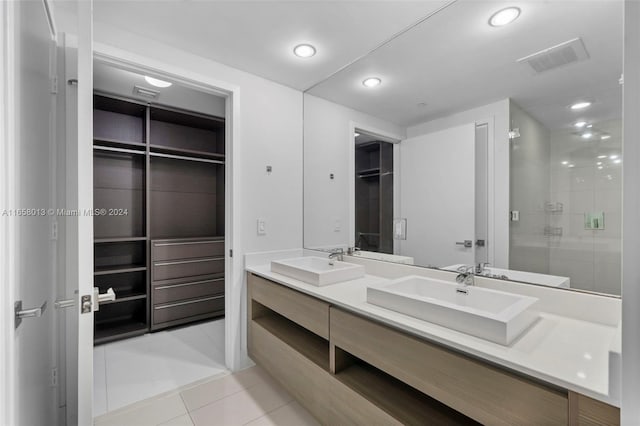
[(566, 352)]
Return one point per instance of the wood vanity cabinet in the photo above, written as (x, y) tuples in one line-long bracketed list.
[(348, 369)]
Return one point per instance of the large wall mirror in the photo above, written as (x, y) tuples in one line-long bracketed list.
[(467, 141)]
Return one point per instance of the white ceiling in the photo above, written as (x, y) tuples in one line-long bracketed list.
[(121, 82), (258, 36), (455, 61)]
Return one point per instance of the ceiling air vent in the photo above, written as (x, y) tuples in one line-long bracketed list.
[(144, 92), (556, 56)]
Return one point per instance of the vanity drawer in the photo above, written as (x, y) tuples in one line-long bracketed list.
[(484, 393), (186, 249), (304, 310), (169, 269), (175, 290), (169, 312)]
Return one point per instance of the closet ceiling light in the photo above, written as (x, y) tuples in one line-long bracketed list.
[(580, 105), (304, 50), (156, 82), (504, 16), (371, 82)]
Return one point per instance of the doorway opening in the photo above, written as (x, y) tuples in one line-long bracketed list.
[(374, 192)]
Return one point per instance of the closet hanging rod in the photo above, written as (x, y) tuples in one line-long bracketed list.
[(180, 157), (112, 149)]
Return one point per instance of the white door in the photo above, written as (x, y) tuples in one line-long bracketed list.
[(78, 111), (31, 216), (437, 196), (32, 249)]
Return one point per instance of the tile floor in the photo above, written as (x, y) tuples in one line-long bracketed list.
[(139, 368), (248, 397)]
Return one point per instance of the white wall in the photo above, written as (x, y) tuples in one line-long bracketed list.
[(497, 116), (631, 242), (328, 148), (529, 193)]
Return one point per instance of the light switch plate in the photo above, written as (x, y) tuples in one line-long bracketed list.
[(400, 229), (262, 227)]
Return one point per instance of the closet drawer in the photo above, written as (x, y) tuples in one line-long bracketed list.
[(189, 308), (171, 291), (186, 249), (169, 269)]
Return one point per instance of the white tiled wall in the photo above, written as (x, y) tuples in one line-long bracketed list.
[(529, 192), (590, 257)]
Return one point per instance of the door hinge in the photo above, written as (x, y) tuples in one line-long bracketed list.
[(54, 84), (54, 376), (230, 252)]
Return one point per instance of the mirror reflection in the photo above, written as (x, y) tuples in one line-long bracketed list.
[(470, 140)]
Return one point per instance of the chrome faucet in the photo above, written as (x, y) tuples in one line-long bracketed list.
[(351, 251), (481, 267), (337, 254), (466, 276)]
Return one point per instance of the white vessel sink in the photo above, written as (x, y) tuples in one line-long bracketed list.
[(490, 314), (317, 270), (514, 275)]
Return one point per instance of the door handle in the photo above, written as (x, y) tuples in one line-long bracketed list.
[(465, 243), (108, 296), (64, 303), (27, 313)]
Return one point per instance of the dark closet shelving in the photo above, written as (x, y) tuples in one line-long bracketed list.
[(374, 196), (140, 172)]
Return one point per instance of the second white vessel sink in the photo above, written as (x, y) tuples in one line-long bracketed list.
[(317, 270), (490, 314)]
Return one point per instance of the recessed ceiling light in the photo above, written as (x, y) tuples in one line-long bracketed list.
[(580, 124), (371, 82), (602, 156), (587, 135), (156, 82), (504, 16), (564, 163), (605, 137), (580, 105), (304, 50)]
